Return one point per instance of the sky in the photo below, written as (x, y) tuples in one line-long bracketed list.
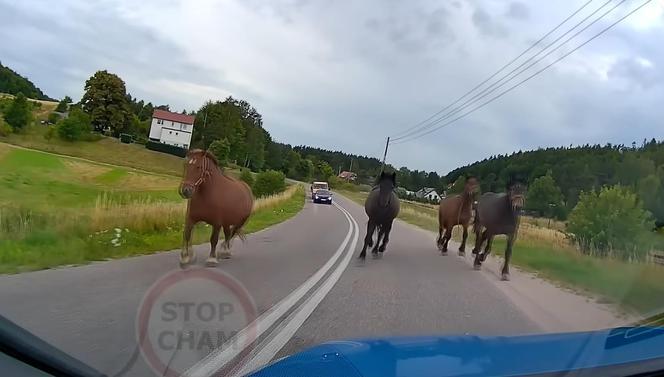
[(344, 75)]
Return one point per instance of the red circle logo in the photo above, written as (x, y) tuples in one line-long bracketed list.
[(187, 314)]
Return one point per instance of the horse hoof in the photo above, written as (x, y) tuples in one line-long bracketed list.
[(225, 255), (505, 277), (211, 262), (477, 267), (375, 256), (462, 253), (474, 252), (362, 257), (443, 253)]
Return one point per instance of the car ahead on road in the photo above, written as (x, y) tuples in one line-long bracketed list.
[(623, 351), (323, 196)]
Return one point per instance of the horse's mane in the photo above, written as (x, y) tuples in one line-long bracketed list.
[(206, 153)]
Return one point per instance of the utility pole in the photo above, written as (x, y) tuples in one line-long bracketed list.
[(387, 144), (203, 133)]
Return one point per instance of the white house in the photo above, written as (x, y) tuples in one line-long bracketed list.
[(172, 128), (428, 193)]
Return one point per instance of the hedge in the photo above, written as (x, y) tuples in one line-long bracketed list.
[(166, 148)]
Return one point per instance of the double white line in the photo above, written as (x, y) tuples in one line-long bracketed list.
[(265, 350)]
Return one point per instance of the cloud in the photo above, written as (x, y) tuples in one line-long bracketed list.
[(345, 75), (640, 72), (518, 11), (486, 24)]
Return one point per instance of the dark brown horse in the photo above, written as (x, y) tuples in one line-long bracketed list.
[(214, 198), (382, 206), (456, 210), (498, 214)]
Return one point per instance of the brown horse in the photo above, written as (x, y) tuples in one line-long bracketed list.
[(498, 214), (214, 198), (456, 210)]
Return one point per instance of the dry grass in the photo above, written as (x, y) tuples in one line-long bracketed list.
[(147, 215), (139, 181), (84, 170), (276, 199)]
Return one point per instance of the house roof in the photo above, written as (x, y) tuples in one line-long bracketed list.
[(347, 174), (173, 117)]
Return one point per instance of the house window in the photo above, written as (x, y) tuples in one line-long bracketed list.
[(158, 121), (184, 127), (170, 132), (172, 123), (176, 133)]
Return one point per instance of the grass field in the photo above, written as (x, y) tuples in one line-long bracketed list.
[(56, 210), (547, 252)]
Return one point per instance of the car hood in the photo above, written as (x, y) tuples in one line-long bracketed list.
[(620, 351)]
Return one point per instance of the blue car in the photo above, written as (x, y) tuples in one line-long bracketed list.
[(322, 196)]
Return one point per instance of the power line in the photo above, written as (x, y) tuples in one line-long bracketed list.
[(483, 93), (497, 72), (529, 77)]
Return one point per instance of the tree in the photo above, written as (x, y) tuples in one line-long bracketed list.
[(544, 196), (323, 170), (221, 149), (53, 118), (268, 183), (19, 113), (105, 100), (5, 129), (75, 126), (63, 104), (611, 222)]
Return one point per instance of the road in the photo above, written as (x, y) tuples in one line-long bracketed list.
[(308, 287)]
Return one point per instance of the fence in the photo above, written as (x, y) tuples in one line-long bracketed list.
[(657, 257)]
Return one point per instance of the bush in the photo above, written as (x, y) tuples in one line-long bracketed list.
[(50, 132), (221, 148), (53, 118), (75, 126), (611, 222), (5, 129), (247, 177), (165, 148), (268, 183)]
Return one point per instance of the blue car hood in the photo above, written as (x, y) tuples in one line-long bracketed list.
[(620, 351)]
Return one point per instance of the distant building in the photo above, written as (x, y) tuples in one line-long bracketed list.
[(428, 193), (348, 175), (172, 128)]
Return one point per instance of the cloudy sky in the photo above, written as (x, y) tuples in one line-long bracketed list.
[(345, 74)]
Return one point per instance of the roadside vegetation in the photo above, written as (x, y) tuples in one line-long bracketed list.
[(543, 247), (57, 211)]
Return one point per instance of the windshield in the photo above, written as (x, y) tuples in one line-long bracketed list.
[(497, 169)]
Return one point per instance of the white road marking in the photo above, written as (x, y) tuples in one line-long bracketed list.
[(219, 358), (289, 326)]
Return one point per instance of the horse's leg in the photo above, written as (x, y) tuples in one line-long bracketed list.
[(212, 260), (381, 234), (477, 264), (487, 249), (446, 239), (439, 240), (185, 254), (462, 248), (225, 253), (386, 237), (368, 239), (478, 239), (508, 255)]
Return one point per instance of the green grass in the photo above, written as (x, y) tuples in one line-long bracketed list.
[(74, 243), (636, 286)]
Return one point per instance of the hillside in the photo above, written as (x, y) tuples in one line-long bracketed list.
[(579, 169), (13, 83)]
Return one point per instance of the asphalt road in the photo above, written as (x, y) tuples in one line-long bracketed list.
[(305, 281)]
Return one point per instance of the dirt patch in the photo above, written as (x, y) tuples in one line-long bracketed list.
[(86, 172)]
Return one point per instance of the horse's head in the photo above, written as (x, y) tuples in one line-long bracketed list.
[(386, 184), (516, 193), (197, 168), (472, 186)]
